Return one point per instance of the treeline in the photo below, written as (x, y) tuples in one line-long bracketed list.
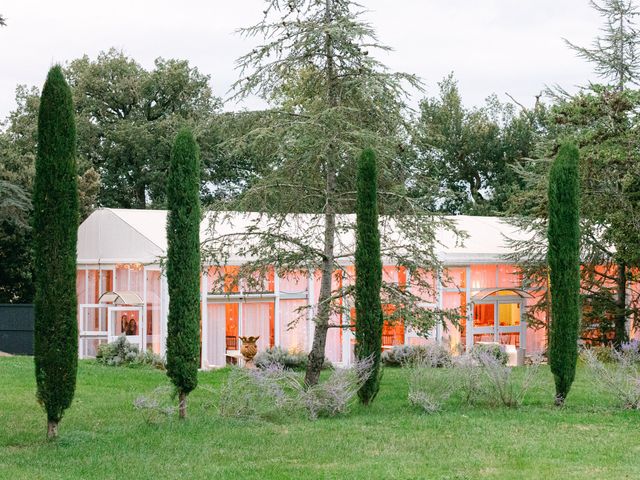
[(127, 116)]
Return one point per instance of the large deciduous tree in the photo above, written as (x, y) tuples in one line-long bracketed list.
[(183, 266), (55, 230), (368, 282), (602, 120), (564, 268), (329, 99), (469, 153)]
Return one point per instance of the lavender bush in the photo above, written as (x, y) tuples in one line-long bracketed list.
[(157, 404), (293, 359), (259, 393), (470, 378), (275, 392), (497, 351), (122, 353), (430, 387), (621, 377), (334, 396), (501, 385), (405, 355)]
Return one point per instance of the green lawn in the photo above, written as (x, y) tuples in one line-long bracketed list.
[(103, 437)]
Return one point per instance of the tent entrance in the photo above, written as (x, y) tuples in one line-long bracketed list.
[(126, 321), (500, 319)]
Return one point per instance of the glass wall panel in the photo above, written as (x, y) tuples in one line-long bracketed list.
[(509, 314), (81, 286), (508, 276), (93, 292), (257, 320), (294, 282), (89, 346), (455, 277), (453, 335), (483, 276), (216, 333), (423, 285), (154, 330), (293, 325)]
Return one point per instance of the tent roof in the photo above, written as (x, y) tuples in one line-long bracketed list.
[(126, 236)]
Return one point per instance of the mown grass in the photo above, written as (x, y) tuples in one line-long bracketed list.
[(103, 437)]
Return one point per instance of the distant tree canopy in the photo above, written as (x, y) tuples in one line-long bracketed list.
[(127, 117), (469, 153)]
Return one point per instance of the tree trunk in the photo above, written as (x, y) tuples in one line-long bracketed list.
[(620, 319), (182, 405), (52, 429), (316, 355), (141, 196)]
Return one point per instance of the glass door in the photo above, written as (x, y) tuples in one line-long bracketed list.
[(127, 321), (509, 323), (497, 320)]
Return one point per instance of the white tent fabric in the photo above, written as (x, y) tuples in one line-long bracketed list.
[(120, 236)]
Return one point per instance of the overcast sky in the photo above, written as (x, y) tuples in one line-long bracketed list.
[(492, 46)]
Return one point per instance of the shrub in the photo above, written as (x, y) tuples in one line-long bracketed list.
[(266, 392), (292, 359), (334, 396), (432, 354), (493, 349), (470, 378), (501, 385), (156, 405), (122, 353), (620, 378), (274, 392), (430, 387)]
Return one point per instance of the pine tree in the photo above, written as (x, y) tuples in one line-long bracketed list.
[(368, 273), (183, 266), (55, 217), (564, 268)]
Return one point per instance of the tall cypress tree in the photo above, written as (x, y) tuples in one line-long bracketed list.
[(183, 266), (368, 264), (564, 268), (55, 217)]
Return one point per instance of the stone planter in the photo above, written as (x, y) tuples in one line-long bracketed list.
[(249, 348)]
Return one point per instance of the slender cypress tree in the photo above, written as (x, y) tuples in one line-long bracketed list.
[(183, 266), (368, 273), (55, 217), (564, 268)]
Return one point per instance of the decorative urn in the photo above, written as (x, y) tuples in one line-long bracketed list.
[(249, 347)]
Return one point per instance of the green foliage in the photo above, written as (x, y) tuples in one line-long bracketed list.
[(432, 355), (470, 154), (368, 265), (330, 98), (55, 230), (292, 359), (16, 254), (495, 351), (564, 268), (122, 353), (183, 263)]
